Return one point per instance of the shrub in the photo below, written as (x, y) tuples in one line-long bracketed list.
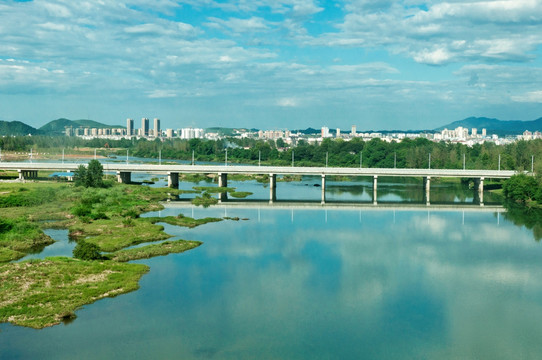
[(5, 226), (128, 222), (98, 215), (87, 251), (82, 210)]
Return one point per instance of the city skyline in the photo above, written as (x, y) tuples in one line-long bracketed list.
[(271, 64)]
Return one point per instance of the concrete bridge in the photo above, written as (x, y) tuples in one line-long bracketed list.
[(124, 171)]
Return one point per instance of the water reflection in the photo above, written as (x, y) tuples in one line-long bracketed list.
[(61, 247), (331, 282), (522, 215)]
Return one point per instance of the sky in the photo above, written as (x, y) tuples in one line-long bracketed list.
[(271, 64)]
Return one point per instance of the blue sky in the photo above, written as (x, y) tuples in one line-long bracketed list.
[(271, 64)]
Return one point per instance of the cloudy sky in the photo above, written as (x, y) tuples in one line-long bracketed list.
[(378, 64)]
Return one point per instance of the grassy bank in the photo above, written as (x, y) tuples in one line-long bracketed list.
[(149, 251), (41, 293)]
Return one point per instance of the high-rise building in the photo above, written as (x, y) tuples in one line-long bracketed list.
[(325, 131), (474, 131), (484, 132), (169, 133), (338, 132), (129, 127), (144, 127), (157, 131), (353, 132)]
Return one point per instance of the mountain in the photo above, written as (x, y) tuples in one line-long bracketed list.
[(10, 128), (495, 126), (225, 131), (309, 131), (57, 127)]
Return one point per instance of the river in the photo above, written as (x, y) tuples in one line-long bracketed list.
[(312, 282)]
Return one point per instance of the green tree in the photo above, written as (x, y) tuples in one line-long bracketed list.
[(91, 176), (521, 188), (80, 176), (95, 174)]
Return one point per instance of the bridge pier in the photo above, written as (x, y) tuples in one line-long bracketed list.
[(272, 188), (173, 180), (323, 189), (427, 189), (222, 182), (481, 190), (27, 174), (124, 177), (375, 186)]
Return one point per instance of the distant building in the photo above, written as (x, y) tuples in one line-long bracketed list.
[(129, 127), (353, 132), (474, 132), (338, 132), (190, 133), (169, 133), (157, 132), (144, 127), (484, 133), (325, 131)]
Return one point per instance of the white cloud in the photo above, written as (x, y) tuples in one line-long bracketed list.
[(507, 30), (433, 57), (239, 25), (157, 94), (530, 97), (288, 102)]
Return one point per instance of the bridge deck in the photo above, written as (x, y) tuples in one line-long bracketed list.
[(281, 170)]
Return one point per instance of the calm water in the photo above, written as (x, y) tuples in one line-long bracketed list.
[(319, 283)]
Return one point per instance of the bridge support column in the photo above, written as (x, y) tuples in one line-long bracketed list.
[(323, 189), (124, 177), (427, 189), (481, 191), (272, 188), (222, 182), (27, 174), (173, 180), (375, 186)]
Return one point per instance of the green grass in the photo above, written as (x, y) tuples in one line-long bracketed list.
[(41, 293), (213, 189), (240, 194), (7, 254), (18, 237), (113, 234), (181, 220), (145, 252)]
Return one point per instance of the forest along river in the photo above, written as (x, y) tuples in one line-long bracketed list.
[(315, 283)]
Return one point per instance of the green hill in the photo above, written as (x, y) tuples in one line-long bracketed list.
[(15, 128), (495, 126), (58, 126)]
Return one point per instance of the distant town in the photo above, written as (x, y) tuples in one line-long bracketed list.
[(460, 134)]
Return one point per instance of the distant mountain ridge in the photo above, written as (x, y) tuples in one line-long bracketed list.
[(16, 128), (493, 126), (504, 127)]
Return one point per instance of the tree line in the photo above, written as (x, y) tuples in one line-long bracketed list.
[(408, 153)]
